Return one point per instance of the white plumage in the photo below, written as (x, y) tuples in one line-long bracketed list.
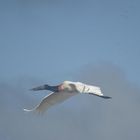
[(64, 91)]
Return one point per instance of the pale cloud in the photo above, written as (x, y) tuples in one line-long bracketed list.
[(81, 117)]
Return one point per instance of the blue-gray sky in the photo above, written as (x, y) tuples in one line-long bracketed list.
[(94, 41)]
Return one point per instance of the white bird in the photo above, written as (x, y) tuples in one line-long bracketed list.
[(64, 91)]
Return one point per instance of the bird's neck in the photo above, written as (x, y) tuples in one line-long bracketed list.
[(53, 88)]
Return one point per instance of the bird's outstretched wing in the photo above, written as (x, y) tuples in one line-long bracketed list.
[(94, 90), (50, 100)]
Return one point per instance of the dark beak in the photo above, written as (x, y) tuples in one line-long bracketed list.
[(39, 88)]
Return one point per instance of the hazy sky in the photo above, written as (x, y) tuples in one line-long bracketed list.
[(93, 41)]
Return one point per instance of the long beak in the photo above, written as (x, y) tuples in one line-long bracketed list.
[(39, 88)]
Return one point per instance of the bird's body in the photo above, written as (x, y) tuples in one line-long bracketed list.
[(64, 91)]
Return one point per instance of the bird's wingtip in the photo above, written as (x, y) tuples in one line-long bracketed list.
[(106, 97), (27, 110)]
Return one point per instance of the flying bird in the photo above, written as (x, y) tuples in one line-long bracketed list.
[(64, 91)]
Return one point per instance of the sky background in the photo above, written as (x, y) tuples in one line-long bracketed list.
[(49, 41)]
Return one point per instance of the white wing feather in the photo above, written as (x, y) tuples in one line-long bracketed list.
[(84, 88), (89, 89), (50, 100), (93, 89)]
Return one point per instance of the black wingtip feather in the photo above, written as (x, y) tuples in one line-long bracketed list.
[(106, 97)]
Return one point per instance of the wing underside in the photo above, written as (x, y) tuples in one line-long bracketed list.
[(50, 100)]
